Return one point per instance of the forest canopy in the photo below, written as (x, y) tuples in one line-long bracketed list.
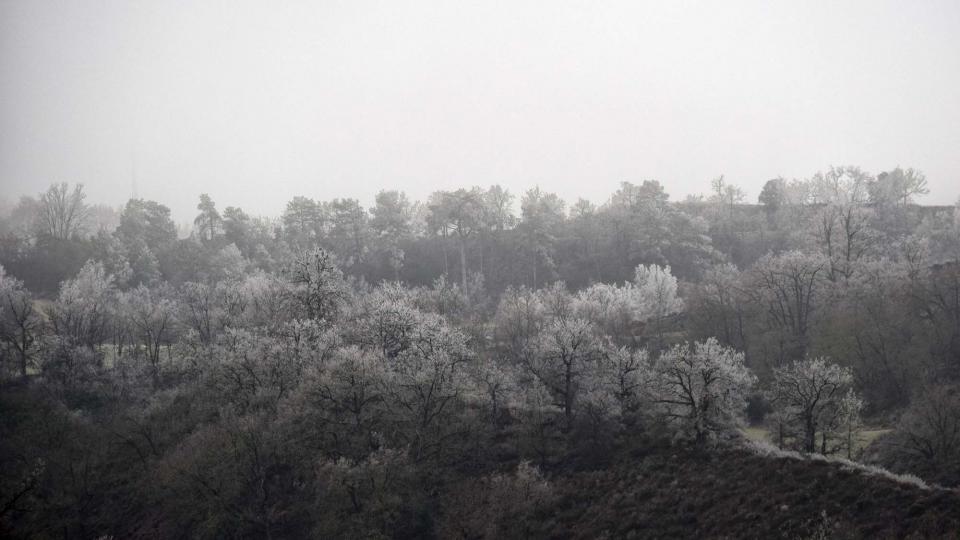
[(435, 368)]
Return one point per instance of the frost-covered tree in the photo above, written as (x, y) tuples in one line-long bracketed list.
[(815, 403), (840, 185), (20, 323), (869, 314), (383, 320), (458, 213), (841, 225), (657, 289), (256, 368), (81, 311), (497, 505), (426, 382), (318, 285), (898, 187), (618, 311), (146, 225), (304, 222), (787, 288), (120, 328), (566, 362), (391, 226), (929, 432), (701, 388), (208, 222), (152, 314), (344, 402), (719, 306), (725, 198), (497, 388), (62, 213), (518, 321), (542, 215), (366, 498), (264, 299), (207, 310), (349, 230), (774, 194), (849, 422), (498, 209), (626, 376)]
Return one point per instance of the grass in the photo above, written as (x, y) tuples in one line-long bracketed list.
[(867, 436), (685, 492), (758, 434)]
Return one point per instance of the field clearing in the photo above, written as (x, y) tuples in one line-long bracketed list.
[(866, 437)]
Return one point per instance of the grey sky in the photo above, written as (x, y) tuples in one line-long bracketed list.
[(255, 102)]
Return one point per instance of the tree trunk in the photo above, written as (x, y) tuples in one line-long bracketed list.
[(568, 396), (534, 272), (23, 358), (810, 437), (463, 264), (443, 245)]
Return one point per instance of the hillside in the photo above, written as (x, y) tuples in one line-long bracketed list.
[(735, 493)]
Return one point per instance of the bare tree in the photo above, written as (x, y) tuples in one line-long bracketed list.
[(153, 316), (786, 287), (930, 429), (20, 324), (62, 213), (898, 187)]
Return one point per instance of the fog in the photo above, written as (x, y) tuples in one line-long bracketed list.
[(255, 102), (325, 269)]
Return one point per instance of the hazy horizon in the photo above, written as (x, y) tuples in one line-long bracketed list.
[(255, 103)]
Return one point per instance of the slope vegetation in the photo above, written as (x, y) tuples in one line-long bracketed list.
[(736, 493)]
